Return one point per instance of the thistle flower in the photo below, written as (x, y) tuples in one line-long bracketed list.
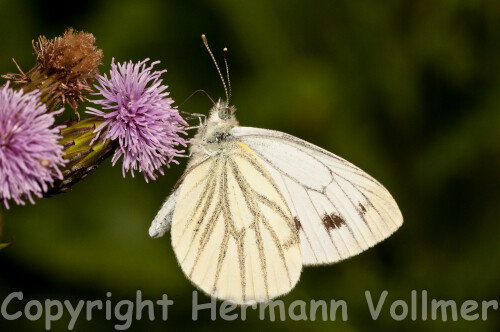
[(65, 67), (139, 115), (30, 155)]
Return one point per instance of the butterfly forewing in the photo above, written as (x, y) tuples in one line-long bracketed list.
[(339, 210), (232, 230)]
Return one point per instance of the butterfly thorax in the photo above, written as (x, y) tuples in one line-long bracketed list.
[(210, 139)]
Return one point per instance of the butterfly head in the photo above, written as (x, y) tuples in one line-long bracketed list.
[(224, 111), (222, 117), (220, 122)]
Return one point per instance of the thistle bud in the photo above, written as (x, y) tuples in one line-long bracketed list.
[(83, 152)]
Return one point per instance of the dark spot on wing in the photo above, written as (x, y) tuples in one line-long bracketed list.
[(332, 221), (297, 223), (362, 208)]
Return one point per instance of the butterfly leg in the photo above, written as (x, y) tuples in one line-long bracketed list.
[(202, 118), (185, 155)]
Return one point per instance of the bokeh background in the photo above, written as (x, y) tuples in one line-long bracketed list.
[(407, 90)]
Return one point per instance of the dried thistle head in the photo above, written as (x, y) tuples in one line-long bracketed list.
[(65, 67), (73, 55)]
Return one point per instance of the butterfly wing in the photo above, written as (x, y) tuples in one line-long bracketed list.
[(232, 231), (339, 209), (163, 220)]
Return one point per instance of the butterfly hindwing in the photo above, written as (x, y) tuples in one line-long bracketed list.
[(232, 230), (163, 220), (339, 209)]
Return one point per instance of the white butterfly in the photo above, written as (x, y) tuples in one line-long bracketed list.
[(255, 205)]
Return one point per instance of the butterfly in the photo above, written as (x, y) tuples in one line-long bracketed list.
[(255, 205)]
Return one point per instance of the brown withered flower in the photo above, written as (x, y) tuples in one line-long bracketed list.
[(65, 67)]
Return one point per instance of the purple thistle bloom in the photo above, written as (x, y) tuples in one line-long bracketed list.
[(30, 155), (139, 114)]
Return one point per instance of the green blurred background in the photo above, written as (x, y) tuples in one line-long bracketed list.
[(407, 90)]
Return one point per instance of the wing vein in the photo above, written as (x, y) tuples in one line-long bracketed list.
[(296, 211)]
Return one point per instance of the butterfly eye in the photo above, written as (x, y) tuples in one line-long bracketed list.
[(224, 113)]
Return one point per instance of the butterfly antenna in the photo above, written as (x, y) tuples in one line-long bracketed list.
[(227, 73), (216, 65), (199, 90)]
